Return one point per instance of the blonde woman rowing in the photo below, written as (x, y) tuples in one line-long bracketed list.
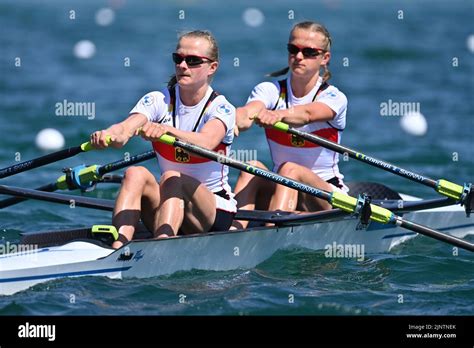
[(192, 195), (305, 100)]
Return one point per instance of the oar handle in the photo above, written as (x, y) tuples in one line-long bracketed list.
[(281, 126), (87, 146), (165, 138)]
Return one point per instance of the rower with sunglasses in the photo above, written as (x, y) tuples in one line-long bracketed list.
[(304, 100), (193, 194)]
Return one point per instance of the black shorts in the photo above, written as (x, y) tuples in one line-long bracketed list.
[(224, 218), (335, 181), (223, 221)]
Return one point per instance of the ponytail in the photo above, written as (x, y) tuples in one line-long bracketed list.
[(326, 74), (283, 71), (172, 81)]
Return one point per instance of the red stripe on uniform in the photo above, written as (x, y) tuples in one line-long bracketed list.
[(290, 140), (178, 155)]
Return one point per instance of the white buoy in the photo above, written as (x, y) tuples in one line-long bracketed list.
[(49, 139), (414, 123), (470, 43), (104, 17), (253, 17), (84, 49)]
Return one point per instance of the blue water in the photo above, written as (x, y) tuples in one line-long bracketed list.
[(405, 60)]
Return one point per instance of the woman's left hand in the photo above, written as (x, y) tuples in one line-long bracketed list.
[(153, 131), (267, 118)]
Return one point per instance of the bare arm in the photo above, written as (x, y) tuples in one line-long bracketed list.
[(298, 115), (303, 114), (209, 137), (245, 114), (120, 132)]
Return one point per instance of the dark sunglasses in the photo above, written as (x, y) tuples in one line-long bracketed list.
[(190, 60), (307, 51)]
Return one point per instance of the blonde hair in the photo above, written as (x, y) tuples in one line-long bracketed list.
[(315, 28), (213, 52)]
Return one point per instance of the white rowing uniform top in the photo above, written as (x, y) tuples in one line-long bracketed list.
[(165, 107), (289, 148)]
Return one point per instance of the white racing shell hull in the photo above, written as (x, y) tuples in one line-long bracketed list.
[(215, 251)]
